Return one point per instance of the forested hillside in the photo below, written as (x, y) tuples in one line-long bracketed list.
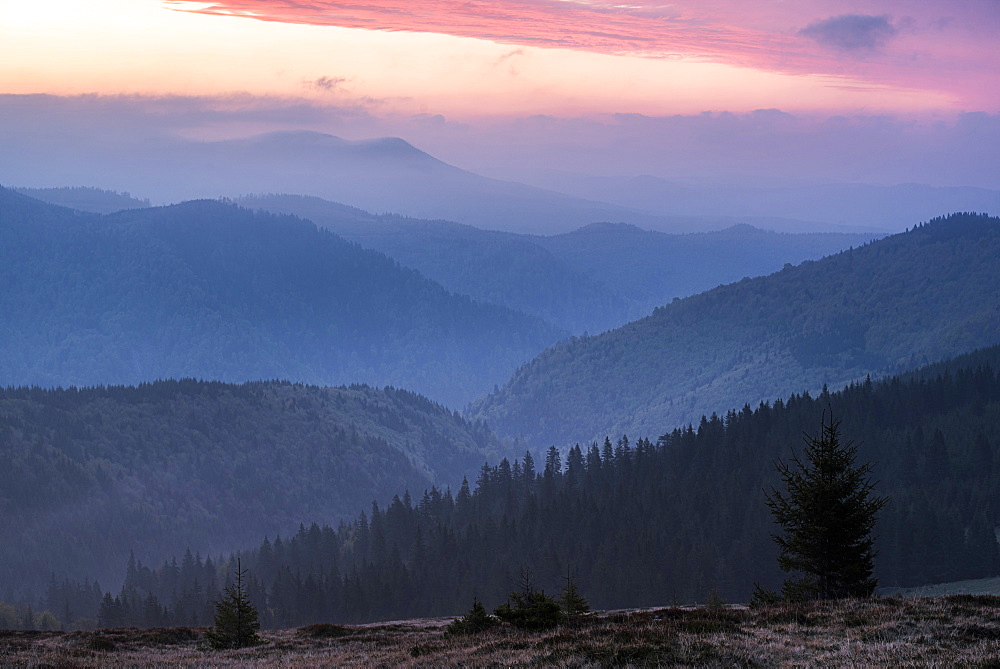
[(498, 267), (86, 475), (639, 524), (94, 200), (208, 290), (920, 296), (652, 268), (590, 280)]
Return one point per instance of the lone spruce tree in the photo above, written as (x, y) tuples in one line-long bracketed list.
[(828, 513), (572, 602), (236, 623)]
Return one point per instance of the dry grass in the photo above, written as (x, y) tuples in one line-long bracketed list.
[(960, 630), (979, 586)]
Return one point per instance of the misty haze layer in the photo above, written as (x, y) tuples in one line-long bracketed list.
[(769, 169), (588, 280), (208, 290), (895, 303)]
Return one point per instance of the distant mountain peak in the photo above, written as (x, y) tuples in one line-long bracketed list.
[(289, 138), (309, 140), (743, 228), (388, 142)]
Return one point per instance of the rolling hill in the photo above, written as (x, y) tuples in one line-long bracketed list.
[(589, 280), (86, 475), (644, 522), (380, 175), (81, 198), (208, 290), (652, 268), (912, 298), (598, 277), (511, 270)]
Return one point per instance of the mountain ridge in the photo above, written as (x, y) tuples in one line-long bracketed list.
[(892, 304), (641, 522), (380, 175), (206, 289), (113, 468), (589, 280), (834, 206)]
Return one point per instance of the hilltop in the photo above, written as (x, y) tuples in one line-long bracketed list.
[(89, 474), (206, 289), (589, 280), (891, 305)]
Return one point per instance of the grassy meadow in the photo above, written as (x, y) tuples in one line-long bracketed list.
[(957, 630)]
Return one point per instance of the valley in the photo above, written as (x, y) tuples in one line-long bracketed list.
[(882, 308), (207, 290), (520, 333), (182, 477)]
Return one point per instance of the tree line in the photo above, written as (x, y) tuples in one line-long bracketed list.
[(640, 523)]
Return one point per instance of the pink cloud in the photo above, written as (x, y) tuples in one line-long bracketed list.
[(916, 44), (642, 27)]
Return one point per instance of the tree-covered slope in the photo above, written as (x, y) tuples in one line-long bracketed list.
[(647, 523), (208, 290), (95, 200), (652, 268), (497, 267), (590, 280), (912, 298), (86, 475)]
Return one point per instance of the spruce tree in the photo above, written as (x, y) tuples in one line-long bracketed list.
[(572, 602), (236, 623), (475, 621), (828, 513)]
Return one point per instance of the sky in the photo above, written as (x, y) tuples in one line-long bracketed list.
[(501, 84)]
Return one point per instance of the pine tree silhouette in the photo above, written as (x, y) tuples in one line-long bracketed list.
[(573, 603), (236, 623), (828, 514), (475, 621)]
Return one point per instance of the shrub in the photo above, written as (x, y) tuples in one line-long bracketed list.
[(532, 611), (473, 622), (763, 597), (573, 603), (324, 631), (715, 602)]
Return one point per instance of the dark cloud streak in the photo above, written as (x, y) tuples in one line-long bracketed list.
[(851, 32), (327, 84)]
